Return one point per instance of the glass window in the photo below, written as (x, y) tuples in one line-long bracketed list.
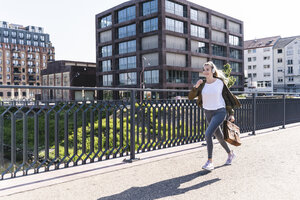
[(106, 65), (194, 14), (174, 25), (131, 46), (127, 47), (202, 47), (128, 78), (150, 25), (106, 51), (218, 50), (234, 40), (174, 8), (236, 67), (127, 63), (107, 80), (235, 53), (127, 31), (5, 33), (290, 70), (178, 10), (149, 7), (126, 14), (151, 77), (105, 21), (122, 47), (170, 7), (173, 76), (219, 63), (131, 62), (198, 31)]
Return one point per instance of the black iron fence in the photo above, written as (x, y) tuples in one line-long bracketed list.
[(37, 136)]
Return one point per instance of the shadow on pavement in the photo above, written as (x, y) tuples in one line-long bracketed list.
[(162, 189)]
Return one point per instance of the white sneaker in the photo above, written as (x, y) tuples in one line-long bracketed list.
[(208, 166), (230, 158)]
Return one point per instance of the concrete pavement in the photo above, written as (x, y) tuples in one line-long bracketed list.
[(267, 167)]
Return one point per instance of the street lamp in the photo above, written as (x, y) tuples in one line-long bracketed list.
[(283, 71), (142, 77), (75, 76)]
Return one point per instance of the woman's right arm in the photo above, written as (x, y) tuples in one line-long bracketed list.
[(194, 92)]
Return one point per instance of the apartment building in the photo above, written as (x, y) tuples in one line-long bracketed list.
[(259, 65), (24, 52), (68, 73), (287, 65), (163, 44)]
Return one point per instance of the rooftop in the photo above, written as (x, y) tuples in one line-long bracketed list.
[(260, 43), (282, 42), (73, 63), (34, 29)]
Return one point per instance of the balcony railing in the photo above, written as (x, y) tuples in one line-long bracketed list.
[(49, 134), (177, 80)]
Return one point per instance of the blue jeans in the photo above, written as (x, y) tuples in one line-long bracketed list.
[(215, 118)]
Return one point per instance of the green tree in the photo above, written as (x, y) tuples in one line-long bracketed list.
[(227, 71)]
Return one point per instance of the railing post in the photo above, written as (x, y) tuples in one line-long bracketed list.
[(284, 113), (132, 128), (254, 113), (1, 142)]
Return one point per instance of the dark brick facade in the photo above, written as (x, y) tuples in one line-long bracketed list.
[(162, 50)]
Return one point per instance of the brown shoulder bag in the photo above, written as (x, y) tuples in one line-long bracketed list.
[(231, 133)]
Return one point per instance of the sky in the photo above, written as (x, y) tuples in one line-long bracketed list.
[(71, 23)]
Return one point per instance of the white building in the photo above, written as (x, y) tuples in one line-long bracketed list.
[(258, 59), (287, 65)]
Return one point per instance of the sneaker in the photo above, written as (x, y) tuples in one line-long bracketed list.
[(208, 166), (230, 158)]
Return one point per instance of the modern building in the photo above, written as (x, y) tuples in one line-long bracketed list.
[(287, 65), (259, 65), (24, 52), (163, 44), (69, 73)]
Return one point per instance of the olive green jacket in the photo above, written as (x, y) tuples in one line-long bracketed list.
[(230, 100)]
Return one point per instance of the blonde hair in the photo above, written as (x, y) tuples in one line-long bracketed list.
[(216, 72)]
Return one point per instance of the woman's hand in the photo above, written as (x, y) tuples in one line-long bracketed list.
[(231, 118), (198, 83)]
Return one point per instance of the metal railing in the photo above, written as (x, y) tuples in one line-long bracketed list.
[(37, 136)]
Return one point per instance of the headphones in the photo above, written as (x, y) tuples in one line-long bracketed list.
[(213, 70)]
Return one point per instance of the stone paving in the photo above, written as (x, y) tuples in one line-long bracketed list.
[(267, 166)]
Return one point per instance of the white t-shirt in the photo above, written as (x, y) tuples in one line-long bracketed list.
[(212, 95)]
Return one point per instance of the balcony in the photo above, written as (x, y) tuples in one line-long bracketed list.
[(16, 50), (17, 79), (177, 80), (31, 79), (17, 72)]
